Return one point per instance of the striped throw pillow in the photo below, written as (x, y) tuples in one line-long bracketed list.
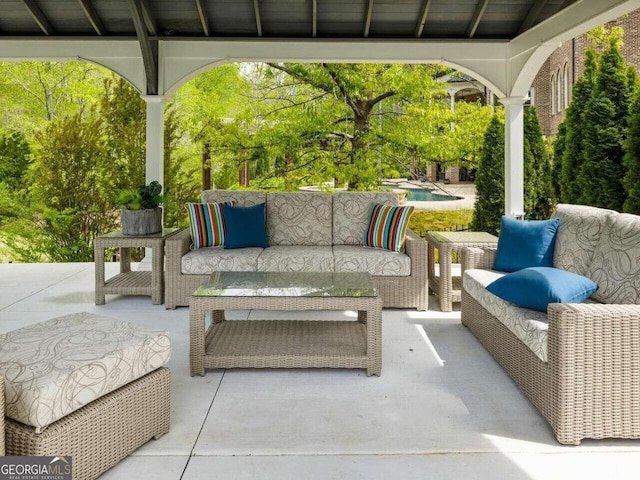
[(206, 224), (387, 227)]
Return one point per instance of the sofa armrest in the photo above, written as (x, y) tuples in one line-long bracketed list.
[(478, 257), (416, 249), (175, 247), (2, 447), (595, 353)]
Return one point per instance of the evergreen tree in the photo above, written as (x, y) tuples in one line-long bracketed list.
[(605, 122), (14, 159), (559, 145), (573, 153), (631, 159), (489, 204), (538, 190)]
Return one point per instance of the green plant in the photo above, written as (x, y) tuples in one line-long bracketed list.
[(147, 196)]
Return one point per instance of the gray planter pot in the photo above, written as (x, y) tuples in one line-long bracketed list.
[(141, 222)]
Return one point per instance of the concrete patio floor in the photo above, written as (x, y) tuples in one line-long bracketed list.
[(442, 409)]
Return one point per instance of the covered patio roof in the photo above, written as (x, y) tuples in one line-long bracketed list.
[(158, 45)]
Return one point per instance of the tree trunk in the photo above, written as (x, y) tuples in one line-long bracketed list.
[(206, 167), (361, 126)]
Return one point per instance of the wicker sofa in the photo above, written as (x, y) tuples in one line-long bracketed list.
[(307, 231), (579, 364)]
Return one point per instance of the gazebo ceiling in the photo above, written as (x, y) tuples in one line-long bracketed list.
[(160, 44), (163, 19)]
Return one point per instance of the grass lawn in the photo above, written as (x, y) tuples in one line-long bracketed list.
[(443, 220)]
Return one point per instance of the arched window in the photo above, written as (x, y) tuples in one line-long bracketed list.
[(565, 79), (559, 91), (553, 94)]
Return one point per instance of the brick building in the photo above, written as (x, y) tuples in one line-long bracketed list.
[(552, 87)]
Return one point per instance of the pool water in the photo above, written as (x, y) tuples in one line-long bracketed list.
[(424, 195)]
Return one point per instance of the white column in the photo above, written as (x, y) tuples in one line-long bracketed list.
[(513, 156), (155, 138)]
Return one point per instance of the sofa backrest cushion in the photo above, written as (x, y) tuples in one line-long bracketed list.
[(242, 198), (616, 261), (579, 233), (351, 212), (299, 218)]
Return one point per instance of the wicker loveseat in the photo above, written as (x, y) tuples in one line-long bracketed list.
[(306, 231), (579, 364)]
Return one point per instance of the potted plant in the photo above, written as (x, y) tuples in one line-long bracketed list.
[(140, 212)]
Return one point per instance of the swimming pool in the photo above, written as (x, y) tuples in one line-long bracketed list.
[(424, 195)]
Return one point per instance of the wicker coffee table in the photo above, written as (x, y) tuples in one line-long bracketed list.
[(286, 343)]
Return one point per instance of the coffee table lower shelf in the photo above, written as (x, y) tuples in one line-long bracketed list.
[(286, 344)]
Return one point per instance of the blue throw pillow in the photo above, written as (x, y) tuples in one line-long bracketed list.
[(525, 243), (245, 226), (537, 287)]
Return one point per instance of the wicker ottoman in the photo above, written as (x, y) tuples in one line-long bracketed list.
[(87, 386)]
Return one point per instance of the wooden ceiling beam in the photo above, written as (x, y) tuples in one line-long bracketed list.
[(532, 16), (477, 16), (422, 19), (149, 18), (314, 18), (256, 9), (39, 17), (204, 18), (367, 19), (92, 15), (149, 54)]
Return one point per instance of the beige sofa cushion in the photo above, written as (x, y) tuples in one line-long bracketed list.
[(376, 261), (296, 258), (56, 367), (351, 214), (204, 261), (299, 218), (579, 232), (242, 198), (530, 326), (616, 261)]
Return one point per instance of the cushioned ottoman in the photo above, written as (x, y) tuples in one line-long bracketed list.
[(84, 385)]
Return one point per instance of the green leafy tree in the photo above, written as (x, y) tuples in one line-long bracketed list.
[(34, 93), (605, 123), (14, 159), (353, 123), (631, 159), (359, 93), (71, 207), (489, 204), (573, 152), (123, 115)]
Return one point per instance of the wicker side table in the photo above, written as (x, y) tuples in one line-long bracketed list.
[(128, 282), (447, 288)]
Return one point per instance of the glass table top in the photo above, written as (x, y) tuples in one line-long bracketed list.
[(164, 233), (462, 237), (287, 284)]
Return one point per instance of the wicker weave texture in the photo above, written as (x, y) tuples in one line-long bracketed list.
[(1, 415), (103, 432), (128, 282), (285, 343), (396, 292), (590, 385), (445, 286)]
